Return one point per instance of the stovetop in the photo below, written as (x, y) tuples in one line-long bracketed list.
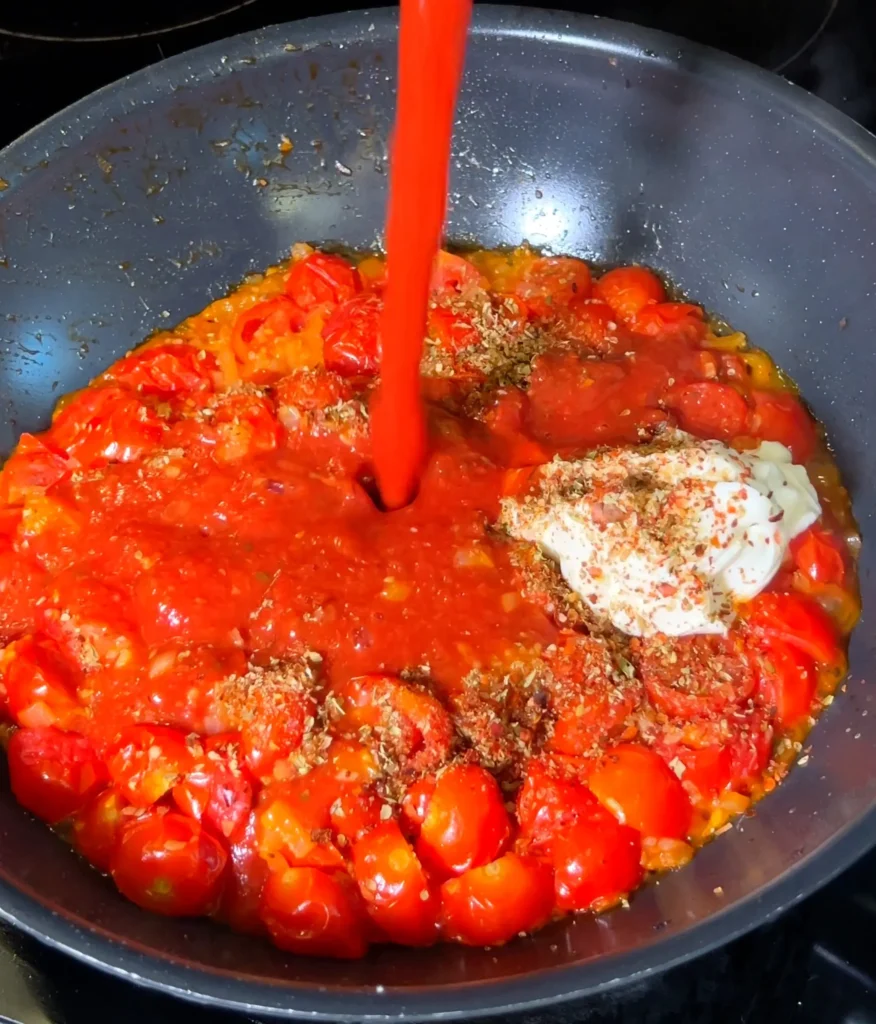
[(817, 963)]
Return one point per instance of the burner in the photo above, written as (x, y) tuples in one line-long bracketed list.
[(772, 34), (58, 21)]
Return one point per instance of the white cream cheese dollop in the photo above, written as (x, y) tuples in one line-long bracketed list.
[(666, 538)]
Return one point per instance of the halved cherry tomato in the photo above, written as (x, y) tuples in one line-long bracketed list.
[(32, 468), (679, 321), (641, 791), (695, 675), (552, 283), (167, 370), (795, 620), (466, 823), (818, 554), (779, 416), (549, 803), (149, 760), (453, 275), (217, 791), (489, 905), (596, 862), (413, 722), (394, 887), (452, 331), (52, 773), (293, 822), (709, 409), (628, 290), (788, 682), (321, 279), (258, 329), (40, 685), (105, 424), (352, 337), (315, 913), (169, 864), (96, 828)]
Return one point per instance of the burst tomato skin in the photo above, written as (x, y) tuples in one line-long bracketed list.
[(148, 761), (167, 863), (466, 824), (395, 887), (321, 279), (315, 913), (548, 804), (351, 337), (628, 290), (477, 910), (641, 791), (52, 773), (596, 862)]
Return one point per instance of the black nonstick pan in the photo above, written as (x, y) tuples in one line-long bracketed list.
[(134, 207)]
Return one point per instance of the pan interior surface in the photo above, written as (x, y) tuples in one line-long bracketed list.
[(137, 206)]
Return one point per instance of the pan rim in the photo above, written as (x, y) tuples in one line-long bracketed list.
[(562, 983)]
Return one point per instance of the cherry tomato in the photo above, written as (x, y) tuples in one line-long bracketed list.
[(680, 321), (710, 409), (489, 905), (639, 789), (149, 760), (258, 331), (52, 773), (818, 554), (415, 804), (413, 722), (321, 279), (40, 685), (356, 811), (589, 713), (32, 468), (93, 623), (169, 864), (105, 424), (217, 791), (466, 823), (245, 879), (96, 828), (548, 803), (628, 290), (795, 620), (689, 676), (596, 862), (242, 426), (394, 887), (315, 913), (167, 370), (453, 275), (293, 822), (450, 330), (751, 745), (779, 416), (788, 683), (704, 771), (351, 337), (592, 322), (552, 283)]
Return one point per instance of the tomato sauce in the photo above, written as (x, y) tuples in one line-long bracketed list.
[(244, 690)]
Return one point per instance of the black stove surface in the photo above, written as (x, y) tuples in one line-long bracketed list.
[(816, 964)]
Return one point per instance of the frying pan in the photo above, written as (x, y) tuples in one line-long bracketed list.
[(136, 206)]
